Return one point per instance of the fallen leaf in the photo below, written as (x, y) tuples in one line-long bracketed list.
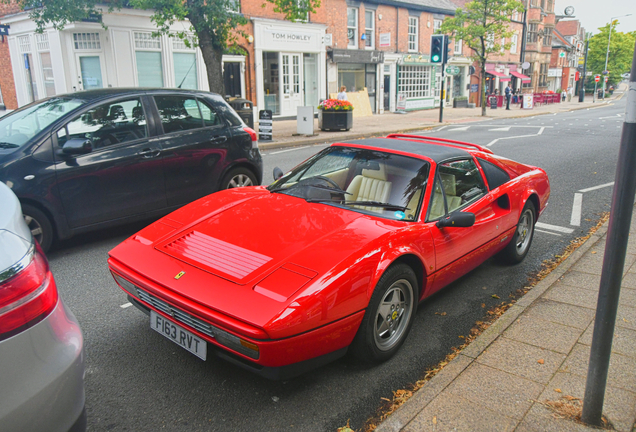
[(434, 420), (485, 288), (557, 390), (462, 337), (484, 305), (383, 398), (440, 313), (593, 252), (571, 398), (495, 296), (625, 320), (540, 361)]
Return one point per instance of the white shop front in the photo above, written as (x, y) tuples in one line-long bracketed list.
[(290, 65)]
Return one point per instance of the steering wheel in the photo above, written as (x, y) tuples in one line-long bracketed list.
[(327, 179)]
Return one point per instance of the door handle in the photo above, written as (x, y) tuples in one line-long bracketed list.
[(219, 139), (149, 153)]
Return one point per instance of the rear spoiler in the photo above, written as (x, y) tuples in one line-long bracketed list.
[(447, 142)]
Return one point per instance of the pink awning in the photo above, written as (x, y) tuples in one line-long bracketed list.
[(497, 74), (520, 75)]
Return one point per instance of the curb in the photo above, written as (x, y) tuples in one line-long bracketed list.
[(407, 412)]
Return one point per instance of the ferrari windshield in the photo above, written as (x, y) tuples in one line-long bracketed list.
[(19, 127), (364, 180)]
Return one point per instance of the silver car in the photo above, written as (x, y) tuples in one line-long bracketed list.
[(41, 344)]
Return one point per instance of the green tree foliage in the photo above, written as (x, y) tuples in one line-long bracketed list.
[(481, 25), (215, 24), (620, 56)]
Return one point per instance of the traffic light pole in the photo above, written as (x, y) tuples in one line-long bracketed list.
[(441, 97)]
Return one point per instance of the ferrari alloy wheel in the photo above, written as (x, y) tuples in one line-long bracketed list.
[(40, 226), (389, 316), (519, 246), (238, 177)]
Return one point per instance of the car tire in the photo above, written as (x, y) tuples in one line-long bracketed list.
[(238, 177), (518, 248), (389, 316), (40, 226)]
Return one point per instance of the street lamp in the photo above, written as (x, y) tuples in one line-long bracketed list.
[(608, 47)]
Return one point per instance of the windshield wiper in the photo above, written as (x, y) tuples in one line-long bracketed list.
[(331, 189), (7, 145), (386, 206)]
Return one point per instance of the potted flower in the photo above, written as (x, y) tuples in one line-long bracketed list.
[(335, 114)]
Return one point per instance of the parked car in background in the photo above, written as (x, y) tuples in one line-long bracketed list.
[(334, 256), (41, 344), (99, 158)]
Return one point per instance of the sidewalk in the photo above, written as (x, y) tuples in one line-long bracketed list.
[(284, 131), (535, 355)]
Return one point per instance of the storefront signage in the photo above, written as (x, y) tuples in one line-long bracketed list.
[(555, 72), (413, 104), (401, 102), (452, 70), (411, 59), (4, 30), (290, 36), (93, 18), (356, 56), (265, 125), (474, 88), (385, 39)]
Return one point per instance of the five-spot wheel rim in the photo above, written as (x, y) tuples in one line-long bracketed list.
[(35, 227), (524, 231), (393, 315), (240, 180)]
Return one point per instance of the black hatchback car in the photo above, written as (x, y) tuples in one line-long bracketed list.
[(99, 158)]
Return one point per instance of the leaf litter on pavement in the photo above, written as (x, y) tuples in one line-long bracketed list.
[(388, 406)]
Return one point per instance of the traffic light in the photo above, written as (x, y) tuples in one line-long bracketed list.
[(437, 48)]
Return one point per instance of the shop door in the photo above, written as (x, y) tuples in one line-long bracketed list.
[(370, 83), (232, 79), (90, 67), (292, 92), (310, 80), (387, 92), (447, 89)]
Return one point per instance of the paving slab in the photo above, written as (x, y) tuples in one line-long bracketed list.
[(561, 313), (544, 334), (624, 340), (541, 419), (577, 296)]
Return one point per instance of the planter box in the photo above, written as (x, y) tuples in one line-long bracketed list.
[(335, 120), (460, 103)]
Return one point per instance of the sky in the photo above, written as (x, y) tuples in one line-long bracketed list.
[(594, 13)]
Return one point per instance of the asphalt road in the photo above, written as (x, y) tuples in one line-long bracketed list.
[(137, 380)]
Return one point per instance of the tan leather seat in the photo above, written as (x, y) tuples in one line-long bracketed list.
[(370, 185), (453, 201)]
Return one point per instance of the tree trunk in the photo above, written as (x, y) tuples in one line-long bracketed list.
[(482, 78), (213, 63)]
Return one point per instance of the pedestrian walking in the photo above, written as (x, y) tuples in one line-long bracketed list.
[(508, 96), (343, 93)]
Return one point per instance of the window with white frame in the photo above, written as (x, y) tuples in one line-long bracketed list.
[(513, 44), (369, 29), (415, 81), (234, 6), (352, 27), (24, 44), (42, 43), (438, 84), (86, 41), (413, 33), (437, 26), (149, 61), (458, 46), (515, 16), (503, 43), (490, 41), (185, 65)]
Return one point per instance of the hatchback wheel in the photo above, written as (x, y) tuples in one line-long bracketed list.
[(40, 226), (389, 316), (238, 177)]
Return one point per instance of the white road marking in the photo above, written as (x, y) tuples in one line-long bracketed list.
[(554, 228), (442, 128), (597, 187), (459, 129), (614, 116), (577, 206), (511, 126), (518, 136), (547, 232), (126, 305), (288, 150), (506, 129)]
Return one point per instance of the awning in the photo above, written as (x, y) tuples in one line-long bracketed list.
[(520, 75), (498, 74)]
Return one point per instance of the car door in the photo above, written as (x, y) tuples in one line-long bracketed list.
[(195, 144), (459, 186), (121, 175)]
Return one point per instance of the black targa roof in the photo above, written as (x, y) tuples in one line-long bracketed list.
[(436, 152)]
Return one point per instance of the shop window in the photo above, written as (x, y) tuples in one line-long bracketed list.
[(415, 81), (513, 44), (413, 34), (369, 29), (86, 41), (352, 27), (149, 61)]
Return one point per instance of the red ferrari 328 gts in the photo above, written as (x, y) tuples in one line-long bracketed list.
[(334, 256)]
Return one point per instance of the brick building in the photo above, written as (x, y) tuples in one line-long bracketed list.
[(8, 98), (574, 35), (559, 72), (538, 48)]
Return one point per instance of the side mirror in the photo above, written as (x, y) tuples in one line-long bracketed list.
[(77, 146), (278, 173), (458, 219)]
